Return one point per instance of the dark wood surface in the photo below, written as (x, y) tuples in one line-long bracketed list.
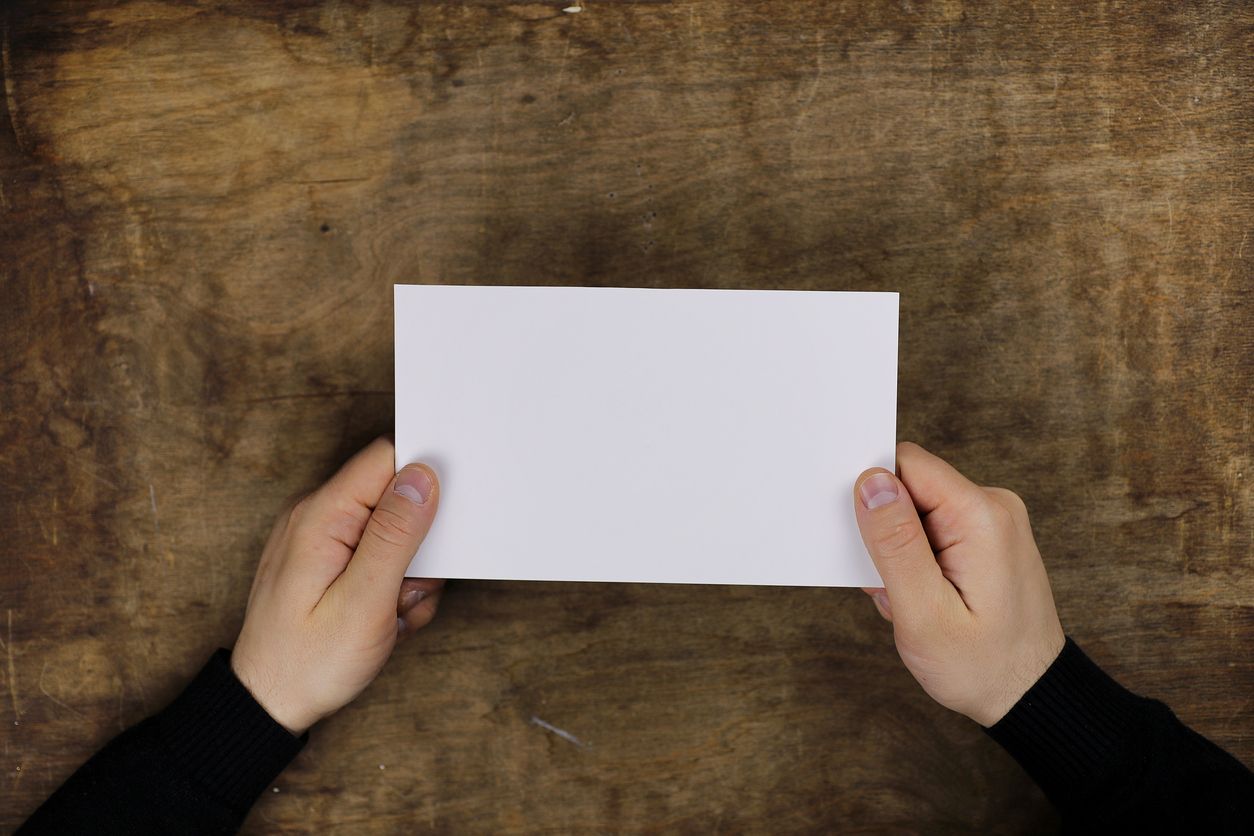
[(203, 207)]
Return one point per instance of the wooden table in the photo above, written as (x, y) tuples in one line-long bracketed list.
[(204, 207)]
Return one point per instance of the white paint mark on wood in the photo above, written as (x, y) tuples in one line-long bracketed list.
[(562, 733)]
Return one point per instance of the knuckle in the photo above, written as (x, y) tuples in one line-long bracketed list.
[(345, 527), (1010, 500), (1003, 517), (990, 513), (392, 527), (300, 509), (1010, 511), (897, 538), (947, 526), (1016, 503)]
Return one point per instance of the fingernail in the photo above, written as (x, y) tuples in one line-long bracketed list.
[(414, 483), (879, 489), (410, 597), (881, 598)]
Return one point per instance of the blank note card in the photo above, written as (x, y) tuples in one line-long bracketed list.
[(664, 436)]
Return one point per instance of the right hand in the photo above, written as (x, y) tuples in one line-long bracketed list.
[(964, 585)]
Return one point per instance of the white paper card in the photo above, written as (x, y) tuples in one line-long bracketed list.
[(665, 436)]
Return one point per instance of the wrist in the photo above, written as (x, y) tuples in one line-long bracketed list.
[(1073, 728), (264, 690), (1026, 670)]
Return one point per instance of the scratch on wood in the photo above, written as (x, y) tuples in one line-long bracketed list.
[(10, 100), (12, 672), (694, 22), (328, 180), (88, 471), (561, 71), (814, 85), (152, 497), (562, 733), (1174, 115), (1238, 713), (42, 688)]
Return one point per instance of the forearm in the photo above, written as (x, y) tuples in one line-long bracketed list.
[(1109, 759), (195, 767)]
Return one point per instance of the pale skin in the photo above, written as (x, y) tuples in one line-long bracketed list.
[(964, 586), (331, 600)]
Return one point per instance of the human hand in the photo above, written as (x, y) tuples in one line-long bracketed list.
[(330, 598), (964, 586)]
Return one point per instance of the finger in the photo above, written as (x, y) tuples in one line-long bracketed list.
[(940, 493), (414, 590), (306, 551), (880, 596), (894, 537), (359, 482), (401, 518), (881, 603), (420, 614), (933, 482)]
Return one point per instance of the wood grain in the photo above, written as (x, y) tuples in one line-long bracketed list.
[(203, 206)]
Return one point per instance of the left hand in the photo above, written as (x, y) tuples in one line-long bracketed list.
[(330, 598)]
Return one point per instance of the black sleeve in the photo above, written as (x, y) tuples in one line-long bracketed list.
[(195, 767), (1112, 761)]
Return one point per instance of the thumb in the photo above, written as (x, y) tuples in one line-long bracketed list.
[(401, 519), (895, 539)]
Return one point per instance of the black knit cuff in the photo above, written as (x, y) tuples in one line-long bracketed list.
[(1069, 731), (227, 742)]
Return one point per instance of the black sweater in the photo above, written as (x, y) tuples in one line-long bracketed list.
[(1108, 759), (195, 767)]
